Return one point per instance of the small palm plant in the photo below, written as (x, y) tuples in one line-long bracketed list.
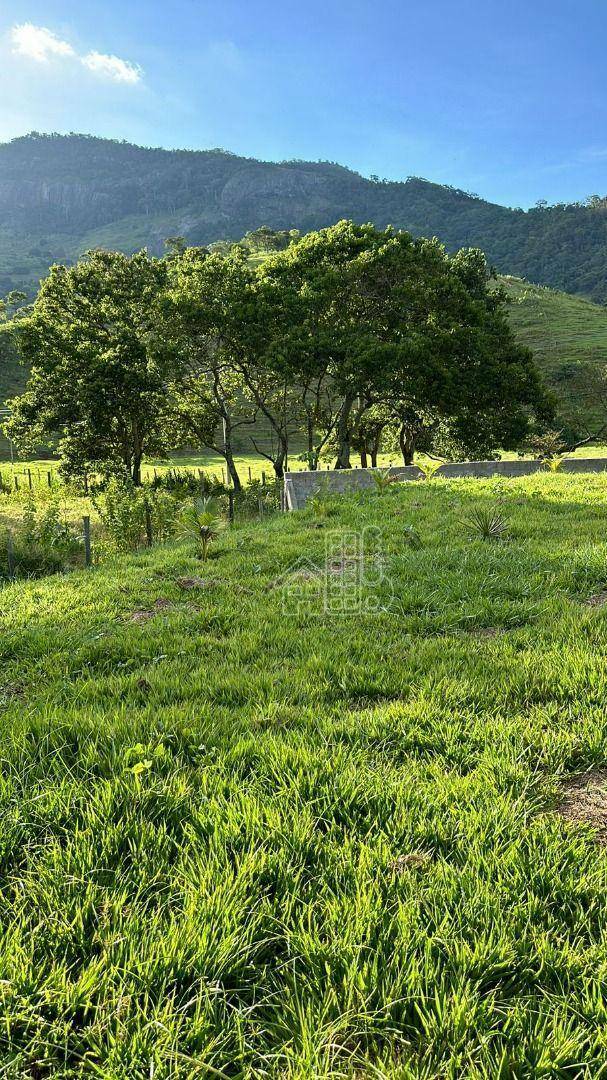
[(554, 463), (382, 479), (201, 523), (429, 468), (487, 524)]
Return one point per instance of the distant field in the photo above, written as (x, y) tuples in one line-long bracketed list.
[(244, 834), (213, 465)]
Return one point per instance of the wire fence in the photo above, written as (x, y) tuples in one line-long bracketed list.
[(29, 552)]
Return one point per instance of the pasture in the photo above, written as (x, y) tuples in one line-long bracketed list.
[(246, 832)]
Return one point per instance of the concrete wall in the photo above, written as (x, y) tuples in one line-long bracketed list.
[(299, 486)]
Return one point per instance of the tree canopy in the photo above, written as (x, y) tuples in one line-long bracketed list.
[(97, 387), (342, 334)]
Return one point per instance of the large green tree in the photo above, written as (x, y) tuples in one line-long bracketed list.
[(97, 386), (477, 389), (393, 325)]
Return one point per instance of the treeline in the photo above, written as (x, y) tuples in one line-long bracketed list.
[(351, 335)]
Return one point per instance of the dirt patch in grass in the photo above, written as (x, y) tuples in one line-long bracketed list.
[(481, 631), (143, 614), (413, 860), (11, 692), (584, 801), (597, 600), (187, 583)]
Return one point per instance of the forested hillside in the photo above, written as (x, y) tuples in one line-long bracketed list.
[(60, 195)]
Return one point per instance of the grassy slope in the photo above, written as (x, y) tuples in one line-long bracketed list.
[(559, 328), (238, 903)]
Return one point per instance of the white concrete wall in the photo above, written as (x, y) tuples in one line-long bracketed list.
[(299, 486)]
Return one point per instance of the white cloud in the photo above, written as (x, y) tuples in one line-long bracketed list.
[(112, 67), (38, 43)]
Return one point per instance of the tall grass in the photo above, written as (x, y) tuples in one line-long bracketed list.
[(243, 841)]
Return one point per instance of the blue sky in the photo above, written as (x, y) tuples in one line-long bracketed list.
[(502, 97)]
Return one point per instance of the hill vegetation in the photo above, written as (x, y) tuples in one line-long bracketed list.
[(61, 195)]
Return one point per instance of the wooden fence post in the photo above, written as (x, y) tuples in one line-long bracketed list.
[(86, 521), (29, 478), (10, 555), (231, 506), (148, 525)]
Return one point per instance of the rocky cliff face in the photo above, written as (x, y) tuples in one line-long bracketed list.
[(72, 184), (60, 195)]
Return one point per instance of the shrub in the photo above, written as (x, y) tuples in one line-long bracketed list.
[(43, 543), (547, 445), (123, 512), (186, 484), (258, 496)]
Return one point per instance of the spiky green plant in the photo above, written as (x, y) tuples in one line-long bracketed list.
[(554, 463), (201, 522), (487, 523)]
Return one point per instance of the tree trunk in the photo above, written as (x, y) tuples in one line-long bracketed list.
[(406, 438), (312, 455), (231, 466), (363, 459), (228, 450), (279, 465), (137, 454), (344, 433), (375, 445)]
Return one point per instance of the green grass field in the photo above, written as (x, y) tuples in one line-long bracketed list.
[(244, 835)]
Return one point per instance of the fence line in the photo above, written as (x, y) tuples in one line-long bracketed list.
[(147, 536)]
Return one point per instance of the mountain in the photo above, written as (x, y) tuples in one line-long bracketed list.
[(62, 194)]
